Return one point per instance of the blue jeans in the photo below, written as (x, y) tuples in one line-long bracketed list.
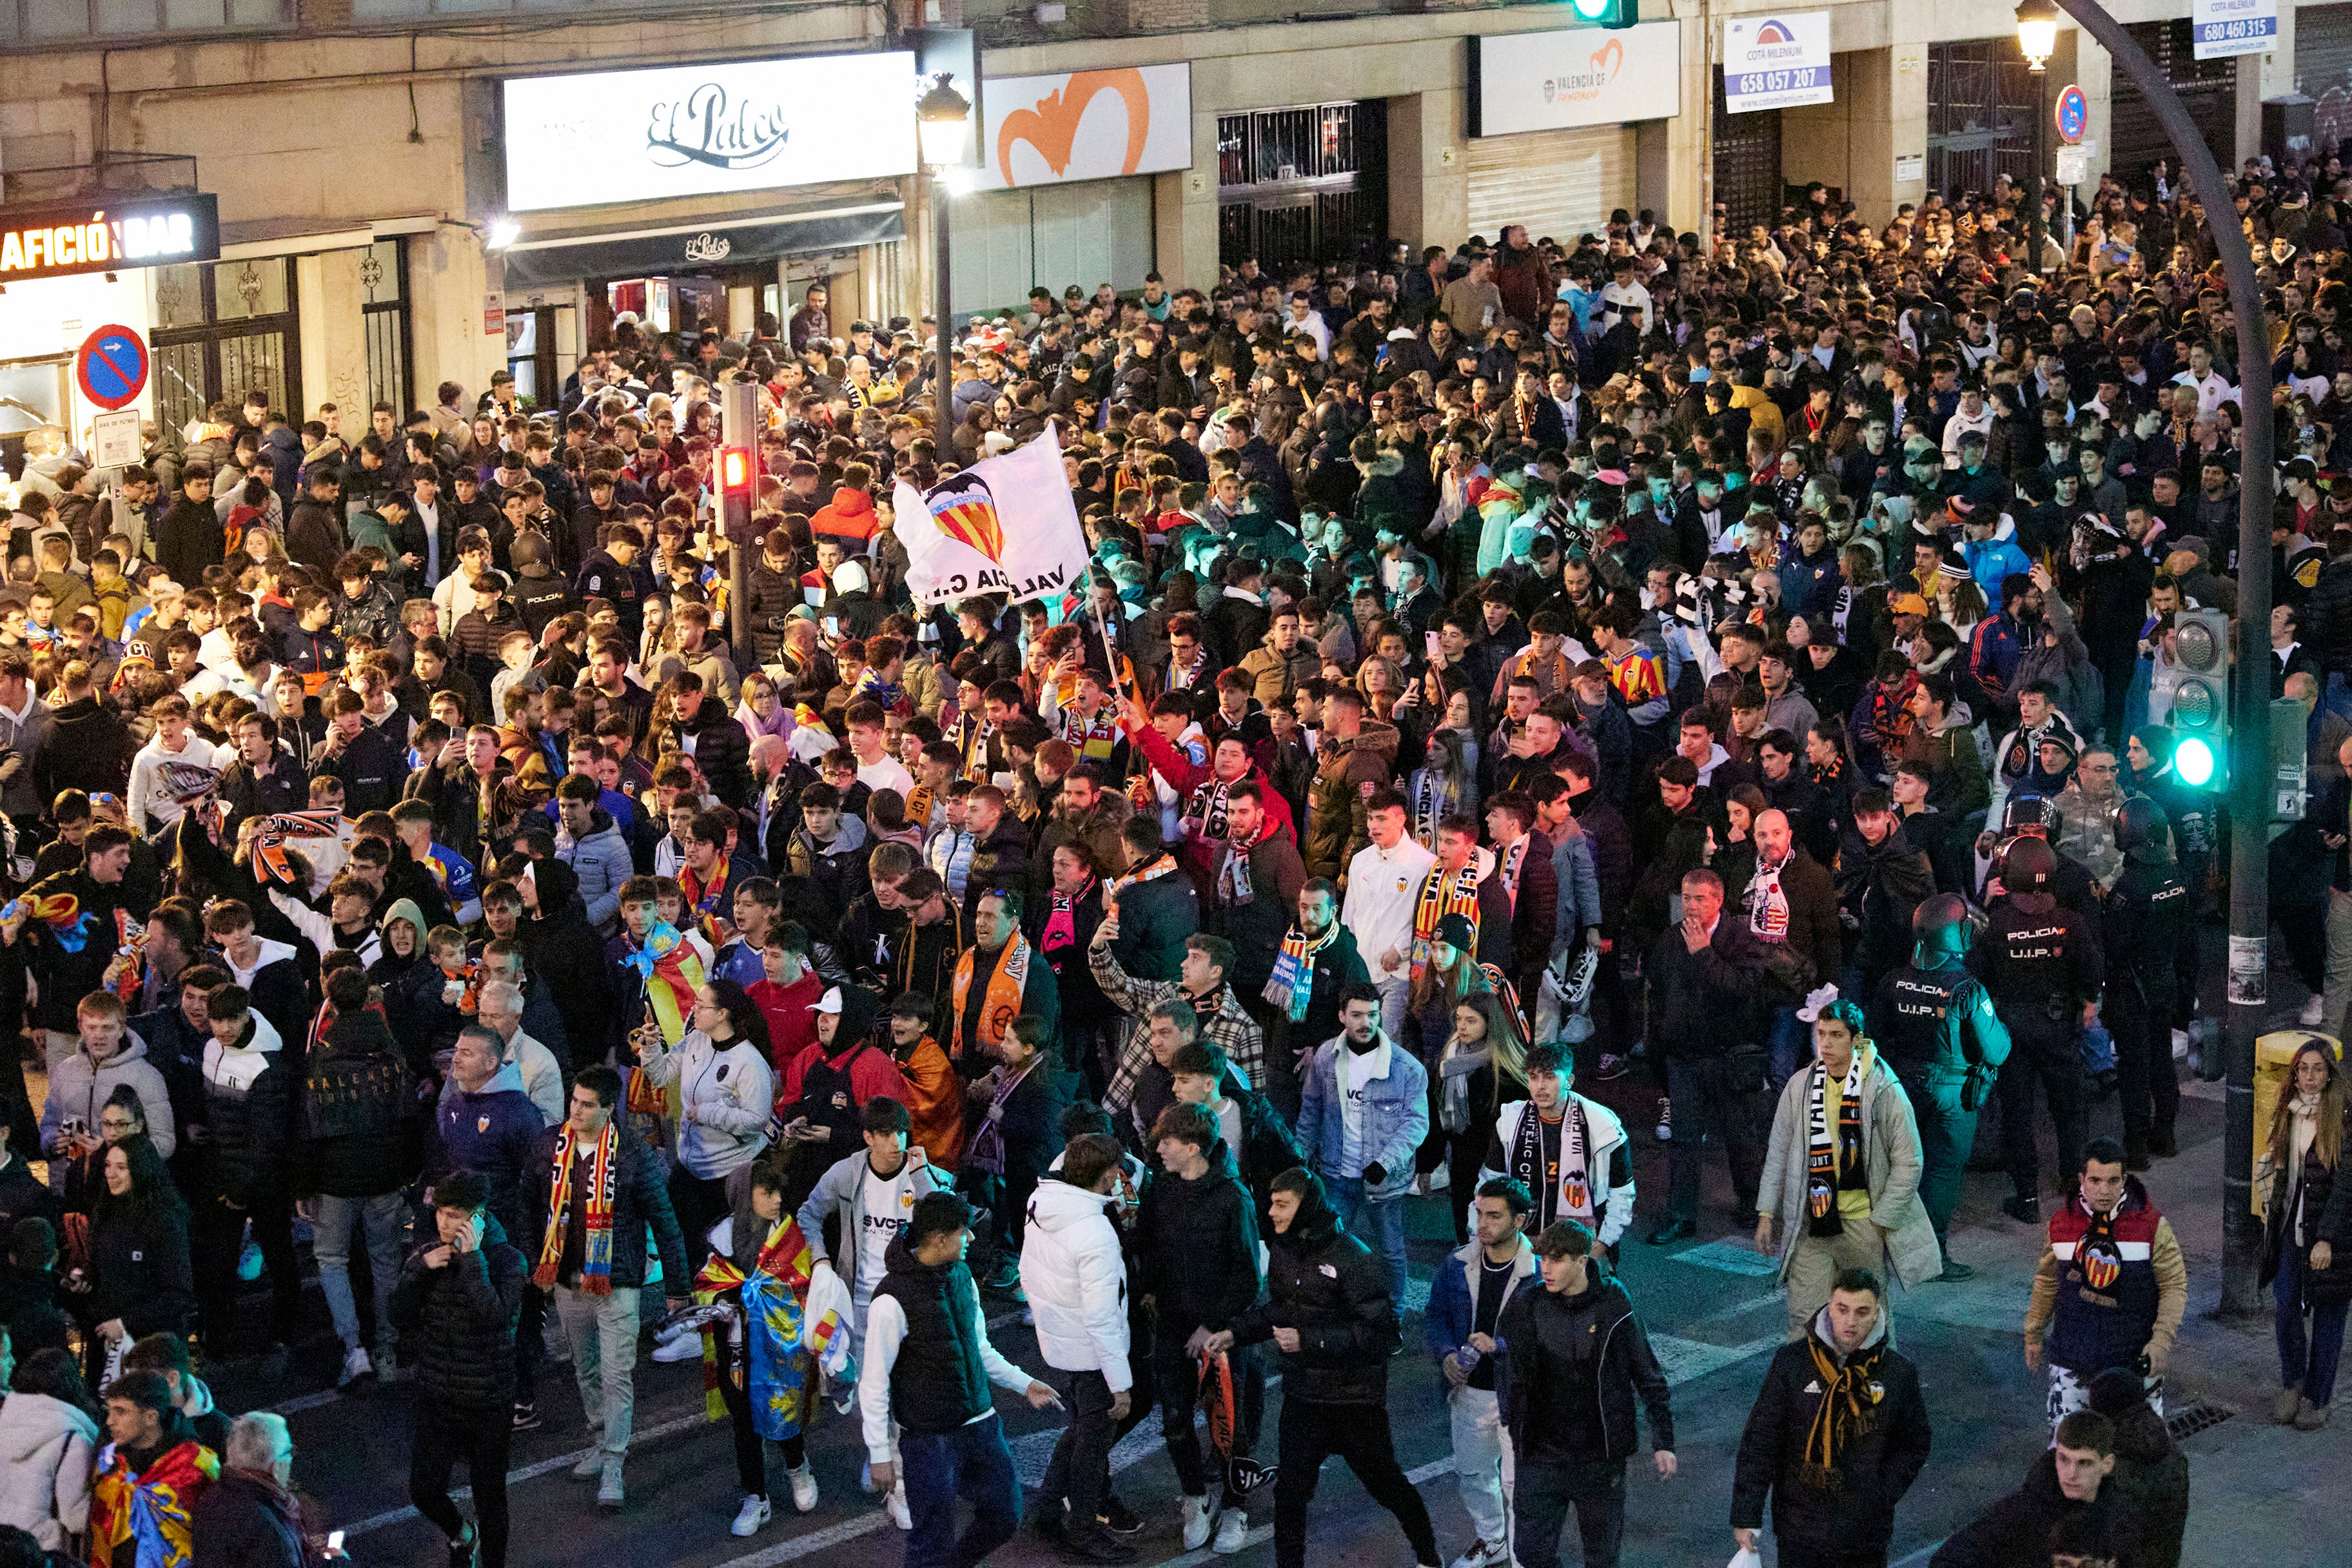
[(380, 1219), (971, 1461), (1379, 1226), (2305, 1362)]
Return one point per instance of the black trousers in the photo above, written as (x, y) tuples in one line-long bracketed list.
[(215, 1241), (2052, 1060), (531, 1342), (1312, 1433), (699, 1204), (1542, 1494), (751, 1448), (2145, 1076), (1178, 1378), (1079, 1470), (443, 1439)]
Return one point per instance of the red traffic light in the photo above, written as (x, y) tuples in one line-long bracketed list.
[(735, 468)]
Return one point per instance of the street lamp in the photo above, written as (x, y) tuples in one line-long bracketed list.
[(943, 127), (2037, 39)]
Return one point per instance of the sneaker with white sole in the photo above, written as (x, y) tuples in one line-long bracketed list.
[(610, 1493), (754, 1513), (1612, 1069), (356, 1365), (803, 1490), (1232, 1532), (897, 1505), (686, 1347), (1198, 1518), (1665, 1120), (1484, 1554), (2314, 1013), (590, 1465)]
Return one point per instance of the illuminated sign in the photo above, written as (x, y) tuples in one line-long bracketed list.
[(101, 236)]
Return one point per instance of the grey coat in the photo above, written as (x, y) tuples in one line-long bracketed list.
[(1891, 1135)]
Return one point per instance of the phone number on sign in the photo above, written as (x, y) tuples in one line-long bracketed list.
[(2250, 27), (1776, 81)]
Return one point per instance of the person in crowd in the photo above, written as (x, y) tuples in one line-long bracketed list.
[(1466, 1301), (49, 1431), (2066, 1510), (1364, 1113), (2306, 1211), (1705, 985), (151, 1477), (140, 1280), (760, 1268), (1569, 1154), (1074, 1277), (1836, 1436), (2110, 1290), (726, 1094), (251, 1513)]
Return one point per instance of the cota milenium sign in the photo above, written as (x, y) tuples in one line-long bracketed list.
[(102, 235)]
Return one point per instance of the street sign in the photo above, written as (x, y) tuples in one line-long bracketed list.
[(111, 366), (2073, 165), (2074, 113), (114, 439)]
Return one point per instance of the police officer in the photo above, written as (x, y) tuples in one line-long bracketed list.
[(2043, 966), (2146, 920), (2034, 816), (1935, 1027)]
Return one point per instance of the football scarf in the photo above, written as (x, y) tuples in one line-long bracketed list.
[(596, 1252), (1235, 888), (1565, 1193), (1062, 920), (1849, 1409), (1293, 971), (1833, 1162), (1164, 865), (1443, 893), (986, 1150), (1513, 858), (1093, 739), (703, 895), (1002, 1005)]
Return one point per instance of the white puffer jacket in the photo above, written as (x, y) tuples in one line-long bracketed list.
[(46, 1450), (1075, 1279)]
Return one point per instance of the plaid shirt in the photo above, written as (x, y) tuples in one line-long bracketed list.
[(1228, 1028)]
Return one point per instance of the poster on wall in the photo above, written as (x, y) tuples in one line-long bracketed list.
[(1085, 125), (712, 130), (1579, 76), (2226, 27), (1776, 61)]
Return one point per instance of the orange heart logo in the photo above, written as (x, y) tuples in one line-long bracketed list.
[(1052, 127), (1607, 60)]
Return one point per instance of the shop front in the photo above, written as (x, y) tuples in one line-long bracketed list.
[(67, 269), (696, 198), (1555, 120)]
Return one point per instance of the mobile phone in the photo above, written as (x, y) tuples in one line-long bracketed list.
[(334, 1541), (1430, 643), (833, 625)]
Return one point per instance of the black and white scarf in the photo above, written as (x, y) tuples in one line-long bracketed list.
[(1566, 1193), (1833, 1164)]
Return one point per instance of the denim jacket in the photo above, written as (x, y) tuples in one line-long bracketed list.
[(1396, 1116)]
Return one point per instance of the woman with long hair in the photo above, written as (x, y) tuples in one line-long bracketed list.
[(1479, 1066), (725, 1095), (2308, 1211), (1445, 785), (139, 1280), (758, 1273)]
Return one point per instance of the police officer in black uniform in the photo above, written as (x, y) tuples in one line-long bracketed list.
[(2043, 966), (2033, 817), (2145, 921), (1935, 1027)]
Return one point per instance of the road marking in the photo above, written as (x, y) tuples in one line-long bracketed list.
[(531, 1472)]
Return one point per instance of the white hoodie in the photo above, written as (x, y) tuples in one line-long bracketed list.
[(1075, 1279), (46, 1451)]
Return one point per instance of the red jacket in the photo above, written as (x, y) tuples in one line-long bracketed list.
[(850, 516), (790, 1012), (1184, 777)]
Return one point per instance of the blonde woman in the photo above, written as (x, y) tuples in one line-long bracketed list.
[(1481, 1063), (2307, 1214)]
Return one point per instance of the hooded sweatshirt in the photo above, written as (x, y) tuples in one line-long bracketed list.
[(1075, 1279)]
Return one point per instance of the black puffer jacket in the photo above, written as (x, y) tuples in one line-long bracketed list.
[(1200, 1247), (460, 1323), (139, 1268), (640, 1198), (1878, 1456), (357, 1132), (2015, 1531), (245, 1520), (1323, 1282), (1572, 1368), (722, 750), (247, 1121), (88, 750), (1154, 920)]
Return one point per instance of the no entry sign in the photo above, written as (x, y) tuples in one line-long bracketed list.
[(111, 366)]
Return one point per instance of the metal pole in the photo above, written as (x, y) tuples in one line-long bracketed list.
[(944, 402), (2033, 228), (2249, 765)]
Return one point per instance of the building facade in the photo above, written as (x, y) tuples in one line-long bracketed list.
[(400, 205)]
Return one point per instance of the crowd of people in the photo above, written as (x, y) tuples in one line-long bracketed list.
[(1722, 676)]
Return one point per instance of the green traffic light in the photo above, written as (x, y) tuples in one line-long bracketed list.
[(1592, 10), (2193, 760)]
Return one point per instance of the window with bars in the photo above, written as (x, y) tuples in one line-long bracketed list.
[(2209, 89), (1303, 184), (223, 329), (1747, 164), (1980, 107), (383, 314)]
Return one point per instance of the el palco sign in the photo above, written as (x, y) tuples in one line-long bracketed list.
[(64, 241)]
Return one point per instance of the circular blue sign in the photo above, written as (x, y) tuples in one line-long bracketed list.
[(111, 366), (2074, 113)]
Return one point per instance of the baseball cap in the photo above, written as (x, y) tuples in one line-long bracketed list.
[(1907, 605), (831, 1001)]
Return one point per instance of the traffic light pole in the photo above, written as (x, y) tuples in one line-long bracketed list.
[(2250, 728)]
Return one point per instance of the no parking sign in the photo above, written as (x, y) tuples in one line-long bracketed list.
[(111, 366), (2074, 113)]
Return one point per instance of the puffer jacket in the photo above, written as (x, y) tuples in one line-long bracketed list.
[(1396, 1116), (357, 1125), (80, 1087), (1877, 1460), (1327, 1285), (460, 1325), (1075, 1279), (47, 1448), (1561, 1352), (139, 1267), (1199, 1241), (1155, 920), (640, 1199), (247, 1129), (1336, 826), (601, 860)]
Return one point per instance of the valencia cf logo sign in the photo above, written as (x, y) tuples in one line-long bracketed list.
[(2101, 1265), (965, 509)]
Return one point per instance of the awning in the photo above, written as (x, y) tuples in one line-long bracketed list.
[(534, 263)]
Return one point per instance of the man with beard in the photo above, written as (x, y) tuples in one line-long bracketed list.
[(1253, 886), (1084, 812), (1316, 963)]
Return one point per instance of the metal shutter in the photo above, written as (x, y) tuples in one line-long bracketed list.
[(1560, 184), (2207, 88), (2322, 69), (1085, 232)]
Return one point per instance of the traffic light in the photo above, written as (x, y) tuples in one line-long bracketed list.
[(1608, 12), (739, 460), (2199, 712)]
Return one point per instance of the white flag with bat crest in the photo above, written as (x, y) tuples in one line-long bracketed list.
[(1004, 525)]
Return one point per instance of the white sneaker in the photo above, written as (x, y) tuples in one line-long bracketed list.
[(1440, 1178), (1199, 1519), (754, 1513), (2180, 1045), (356, 1366), (1484, 1554), (897, 1505), (668, 1332), (686, 1347), (804, 1489), (2314, 1013), (1232, 1532), (590, 1465)]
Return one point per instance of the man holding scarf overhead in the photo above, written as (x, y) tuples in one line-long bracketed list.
[(1843, 1171), (1837, 1435), (594, 1190), (999, 978)]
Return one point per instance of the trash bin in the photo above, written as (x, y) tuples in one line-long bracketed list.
[(2273, 1052)]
